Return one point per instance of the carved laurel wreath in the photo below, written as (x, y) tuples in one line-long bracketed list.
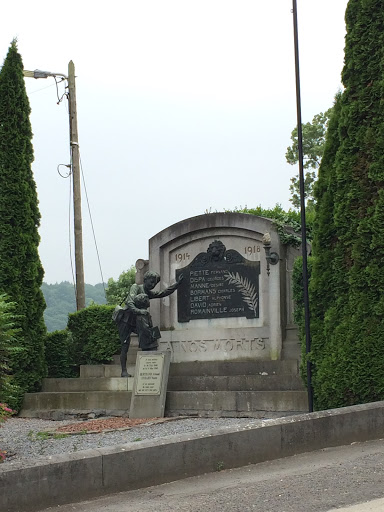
[(245, 287)]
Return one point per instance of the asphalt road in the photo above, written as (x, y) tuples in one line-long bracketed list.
[(334, 478)]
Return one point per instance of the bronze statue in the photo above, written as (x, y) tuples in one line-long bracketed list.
[(148, 335), (134, 316)]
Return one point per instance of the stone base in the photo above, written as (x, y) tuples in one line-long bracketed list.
[(150, 385), (225, 344), (257, 388)]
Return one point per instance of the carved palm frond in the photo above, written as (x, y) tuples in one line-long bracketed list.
[(245, 287)]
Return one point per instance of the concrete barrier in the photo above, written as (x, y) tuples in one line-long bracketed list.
[(91, 473)]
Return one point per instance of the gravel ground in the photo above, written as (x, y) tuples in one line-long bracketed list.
[(27, 443)]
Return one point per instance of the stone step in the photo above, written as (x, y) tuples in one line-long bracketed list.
[(181, 383), (236, 383), (292, 333), (236, 403), (45, 404), (258, 388), (194, 403), (291, 344), (200, 368), (103, 370), (133, 349), (87, 384), (131, 357), (291, 350), (222, 368)]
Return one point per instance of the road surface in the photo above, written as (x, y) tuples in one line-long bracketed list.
[(348, 478)]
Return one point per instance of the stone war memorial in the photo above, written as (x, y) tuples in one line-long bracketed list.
[(216, 338), (235, 300)]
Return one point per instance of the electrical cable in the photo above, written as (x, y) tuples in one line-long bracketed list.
[(68, 172), (70, 175), (41, 89), (69, 234), (90, 217), (59, 100)]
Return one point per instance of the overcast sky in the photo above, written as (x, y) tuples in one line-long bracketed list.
[(183, 106)]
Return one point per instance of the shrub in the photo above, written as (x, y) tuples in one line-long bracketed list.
[(5, 413), (299, 314), (10, 392), (95, 336), (59, 354)]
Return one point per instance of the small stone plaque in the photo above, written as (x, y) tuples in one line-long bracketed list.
[(149, 374), (150, 385), (218, 284)]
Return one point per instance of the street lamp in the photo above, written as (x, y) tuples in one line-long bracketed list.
[(75, 165), (41, 74)]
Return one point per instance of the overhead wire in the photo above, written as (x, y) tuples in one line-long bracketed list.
[(69, 233), (59, 99), (93, 229), (41, 89), (70, 176), (68, 172)]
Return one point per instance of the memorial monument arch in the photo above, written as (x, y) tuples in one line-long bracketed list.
[(228, 342), (235, 301)]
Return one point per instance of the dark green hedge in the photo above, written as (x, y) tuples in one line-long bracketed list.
[(347, 283), (95, 335), (10, 392), (59, 355), (299, 315)]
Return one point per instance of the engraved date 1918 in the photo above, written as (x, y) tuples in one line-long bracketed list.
[(252, 249)]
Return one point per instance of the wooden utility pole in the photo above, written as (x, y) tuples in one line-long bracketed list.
[(75, 162)]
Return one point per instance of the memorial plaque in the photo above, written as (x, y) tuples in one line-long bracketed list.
[(218, 284), (149, 375)]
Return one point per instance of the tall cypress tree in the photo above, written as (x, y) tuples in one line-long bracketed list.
[(21, 272), (347, 288)]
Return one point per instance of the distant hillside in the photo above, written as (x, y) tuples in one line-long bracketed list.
[(61, 300)]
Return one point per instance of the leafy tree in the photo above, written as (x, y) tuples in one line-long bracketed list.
[(61, 300), (347, 284), (287, 223), (313, 149), (9, 346), (21, 272), (118, 290)]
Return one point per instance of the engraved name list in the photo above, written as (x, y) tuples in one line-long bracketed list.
[(219, 284)]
